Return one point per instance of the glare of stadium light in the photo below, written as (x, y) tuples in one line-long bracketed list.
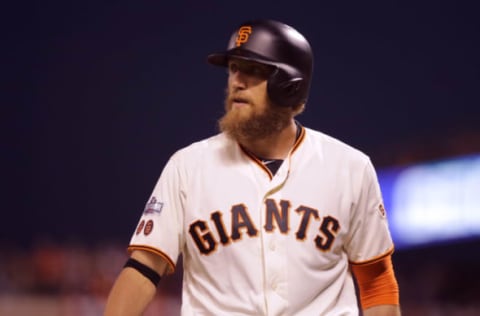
[(434, 202)]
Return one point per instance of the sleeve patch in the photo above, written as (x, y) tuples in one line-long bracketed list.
[(153, 206)]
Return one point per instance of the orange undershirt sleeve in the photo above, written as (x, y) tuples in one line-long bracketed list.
[(376, 282)]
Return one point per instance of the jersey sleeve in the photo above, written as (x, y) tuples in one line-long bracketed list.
[(159, 229), (369, 236)]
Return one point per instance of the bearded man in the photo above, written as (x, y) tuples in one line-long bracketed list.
[(271, 217)]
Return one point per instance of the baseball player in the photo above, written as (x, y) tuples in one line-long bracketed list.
[(271, 217)]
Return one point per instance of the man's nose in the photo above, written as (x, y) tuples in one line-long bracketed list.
[(238, 79)]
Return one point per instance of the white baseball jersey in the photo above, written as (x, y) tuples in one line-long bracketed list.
[(254, 243)]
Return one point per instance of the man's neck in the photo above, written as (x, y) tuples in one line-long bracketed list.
[(274, 147)]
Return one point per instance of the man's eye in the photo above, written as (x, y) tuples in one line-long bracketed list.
[(233, 68), (255, 70), (249, 69)]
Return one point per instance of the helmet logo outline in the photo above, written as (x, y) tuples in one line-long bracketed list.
[(243, 35)]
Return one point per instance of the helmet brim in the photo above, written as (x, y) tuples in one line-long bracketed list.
[(218, 59), (221, 58)]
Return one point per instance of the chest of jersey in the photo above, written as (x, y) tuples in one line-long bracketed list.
[(272, 234), (304, 207)]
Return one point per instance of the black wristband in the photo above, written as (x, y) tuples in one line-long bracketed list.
[(146, 271)]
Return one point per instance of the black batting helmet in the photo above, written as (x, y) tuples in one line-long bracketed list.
[(279, 45)]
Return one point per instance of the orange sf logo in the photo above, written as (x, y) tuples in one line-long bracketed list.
[(243, 34)]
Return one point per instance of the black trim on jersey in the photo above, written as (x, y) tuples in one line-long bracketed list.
[(274, 164), (146, 271)]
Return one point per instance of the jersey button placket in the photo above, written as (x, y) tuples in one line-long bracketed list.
[(274, 285), (275, 271), (272, 245)]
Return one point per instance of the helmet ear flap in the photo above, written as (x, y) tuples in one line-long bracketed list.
[(286, 89)]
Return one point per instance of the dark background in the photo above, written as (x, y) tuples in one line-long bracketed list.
[(100, 94), (96, 95)]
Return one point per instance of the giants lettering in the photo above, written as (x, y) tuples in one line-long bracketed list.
[(329, 227), (202, 236), (240, 219), (276, 216), (281, 219), (307, 213)]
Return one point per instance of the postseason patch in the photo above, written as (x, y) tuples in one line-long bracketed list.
[(153, 206)]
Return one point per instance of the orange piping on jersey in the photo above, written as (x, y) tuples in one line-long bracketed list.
[(299, 140), (258, 162), (171, 265), (277, 188), (372, 260), (377, 284), (295, 146)]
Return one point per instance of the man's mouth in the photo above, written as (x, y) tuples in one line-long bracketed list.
[(237, 101)]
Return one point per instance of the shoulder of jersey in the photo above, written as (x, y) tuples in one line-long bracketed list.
[(203, 147), (332, 145)]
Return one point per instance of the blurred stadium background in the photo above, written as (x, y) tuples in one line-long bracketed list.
[(99, 95)]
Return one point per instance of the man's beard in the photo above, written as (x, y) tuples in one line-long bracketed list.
[(254, 125)]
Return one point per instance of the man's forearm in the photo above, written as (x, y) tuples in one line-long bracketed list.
[(130, 295), (382, 310)]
